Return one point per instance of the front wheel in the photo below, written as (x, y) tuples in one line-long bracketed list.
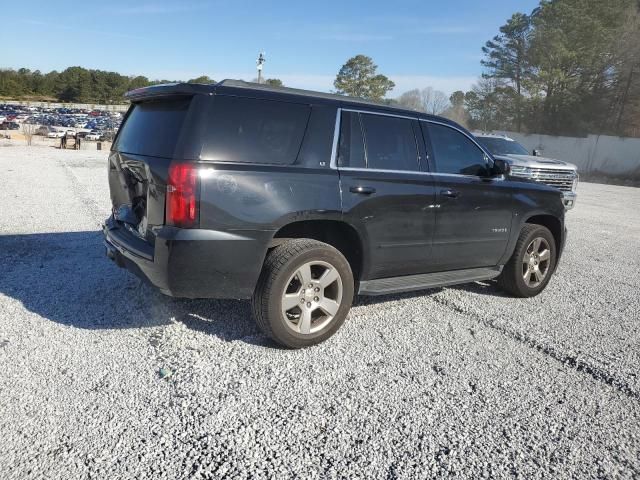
[(533, 261), (304, 293)]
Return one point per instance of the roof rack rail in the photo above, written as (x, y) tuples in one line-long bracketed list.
[(309, 93)]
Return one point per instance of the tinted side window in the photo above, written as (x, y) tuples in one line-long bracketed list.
[(390, 142), (250, 130), (153, 127), (455, 152), (351, 146)]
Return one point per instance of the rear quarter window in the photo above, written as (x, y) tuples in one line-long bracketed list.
[(249, 130), (153, 127)]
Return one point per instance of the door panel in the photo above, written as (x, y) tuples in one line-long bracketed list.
[(386, 196), (472, 228), (473, 218), (397, 220)]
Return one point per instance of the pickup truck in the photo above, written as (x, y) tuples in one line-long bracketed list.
[(556, 173)]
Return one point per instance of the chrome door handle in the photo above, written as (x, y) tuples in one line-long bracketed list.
[(362, 190), (450, 193)]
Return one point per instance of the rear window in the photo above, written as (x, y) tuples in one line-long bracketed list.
[(153, 127), (249, 130)]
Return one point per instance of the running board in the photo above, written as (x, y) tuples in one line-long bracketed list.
[(385, 286)]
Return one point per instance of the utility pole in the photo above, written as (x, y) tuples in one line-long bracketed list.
[(260, 62)]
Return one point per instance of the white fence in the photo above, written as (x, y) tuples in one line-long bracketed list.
[(596, 154)]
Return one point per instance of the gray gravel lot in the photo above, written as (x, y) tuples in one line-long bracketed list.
[(458, 382)]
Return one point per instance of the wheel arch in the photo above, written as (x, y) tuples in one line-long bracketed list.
[(340, 235), (552, 223)]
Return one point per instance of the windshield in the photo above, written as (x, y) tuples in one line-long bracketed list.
[(501, 146)]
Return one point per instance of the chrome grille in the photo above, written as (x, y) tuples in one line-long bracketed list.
[(560, 179)]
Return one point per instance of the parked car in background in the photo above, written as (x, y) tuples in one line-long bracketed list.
[(301, 200), (556, 173), (56, 133), (92, 136), (9, 126), (44, 130), (61, 117)]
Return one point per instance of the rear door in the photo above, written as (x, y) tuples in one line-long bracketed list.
[(385, 191), (473, 218), (150, 137)]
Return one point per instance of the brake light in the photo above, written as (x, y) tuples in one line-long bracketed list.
[(182, 195)]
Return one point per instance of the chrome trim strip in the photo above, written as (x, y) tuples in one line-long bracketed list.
[(336, 134), (381, 170), (379, 113), (470, 137), (415, 172)]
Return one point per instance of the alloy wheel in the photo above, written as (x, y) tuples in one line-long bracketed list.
[(536, 262), (312, 297)]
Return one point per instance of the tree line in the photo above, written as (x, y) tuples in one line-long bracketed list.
[(80, 85)]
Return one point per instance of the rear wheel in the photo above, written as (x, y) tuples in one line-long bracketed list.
[(530, 267), (304, 293)]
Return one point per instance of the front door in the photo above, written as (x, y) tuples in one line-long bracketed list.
[(473, 218), (385, 193)]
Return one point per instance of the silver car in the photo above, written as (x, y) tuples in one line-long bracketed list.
[(556, 173)]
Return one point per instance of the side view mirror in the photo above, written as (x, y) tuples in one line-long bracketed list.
[(501, 167), (537, 153)]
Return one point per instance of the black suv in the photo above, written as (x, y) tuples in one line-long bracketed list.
[(300, 200)]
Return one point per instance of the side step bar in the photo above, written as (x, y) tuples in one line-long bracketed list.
[(408, 283)]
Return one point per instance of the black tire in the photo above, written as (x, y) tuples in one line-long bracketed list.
[(281, 263), (512, 278)]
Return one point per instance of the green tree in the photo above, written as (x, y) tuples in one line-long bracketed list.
[(201, 79), (137, 82), (625, 118), (457, 111), (274, 82), (506, 57), (358, 78), (457, 98), (573, 52), (488, 104)]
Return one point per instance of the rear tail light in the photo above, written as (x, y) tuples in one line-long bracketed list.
[(182, 195)]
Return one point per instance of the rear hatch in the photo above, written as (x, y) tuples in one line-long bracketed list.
[(153, 134)]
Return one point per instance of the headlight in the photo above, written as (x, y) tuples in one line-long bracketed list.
[(575, 184)]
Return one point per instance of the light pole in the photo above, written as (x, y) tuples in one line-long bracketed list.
[(259, 63)]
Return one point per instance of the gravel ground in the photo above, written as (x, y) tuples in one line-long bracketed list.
[(457, 382)]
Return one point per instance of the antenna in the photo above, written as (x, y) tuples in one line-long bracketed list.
[(260, 63)]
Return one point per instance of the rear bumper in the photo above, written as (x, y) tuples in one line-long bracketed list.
[(191, 263)]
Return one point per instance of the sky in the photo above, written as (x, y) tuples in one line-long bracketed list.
[(416, 43)]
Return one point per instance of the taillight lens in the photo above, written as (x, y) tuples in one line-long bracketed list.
[(182, 195)]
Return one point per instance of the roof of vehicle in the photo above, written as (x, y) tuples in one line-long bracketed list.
[(229, 86)]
